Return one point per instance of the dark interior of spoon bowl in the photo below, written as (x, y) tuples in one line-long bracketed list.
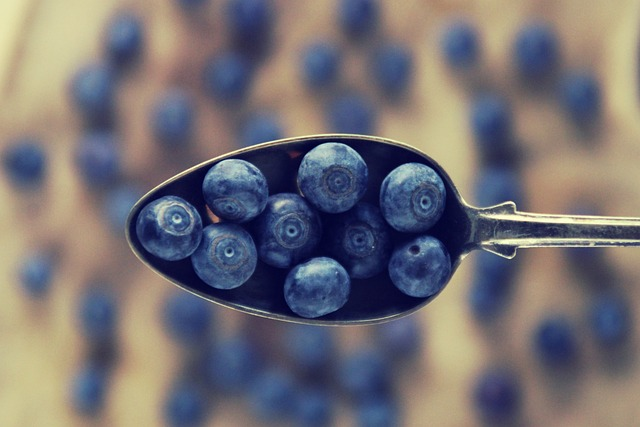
[(371, 300)]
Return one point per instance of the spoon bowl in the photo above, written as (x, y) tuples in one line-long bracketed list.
[(461, 228)]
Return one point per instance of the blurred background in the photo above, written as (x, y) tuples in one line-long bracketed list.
[(532, 101)]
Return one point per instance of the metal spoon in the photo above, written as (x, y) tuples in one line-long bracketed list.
[(500, 229)]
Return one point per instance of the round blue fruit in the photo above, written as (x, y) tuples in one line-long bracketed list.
[(231, 365), (36, 273), (123, 39), (581, 97), (287, 231), (314, 407), (89, 390), (235, 190), (317, 287), (460, 45), (360, 239), (497, 184), (555, 341), (172, 118), (227, 78), (491, 124), (25, 163), (351, 113), (226, 257), (187, 318), (610, 320), (412, 197), (497, 395), (260, 127), (169, 228), (536, 51), (98, 158), (98, 315), (392, 68), (420, 267), (358, 17), (250, 21), (185, 406), (272, 395), (93, 93), (320, 63), (333, 177), (365, 373)]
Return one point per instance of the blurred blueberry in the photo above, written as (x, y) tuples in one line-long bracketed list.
[(169, 228), (36, 273), (309, 347), (98, 315), (226, 257), (287, 231), (25, 163), (421, 267), (123, 39), (231, 364), (360, 240), (412, 197), (555, 342), (364, 374), (272, 396), (495, 184), (173, 118), (358, 18), (320, 64), (380, 411), (351, 113), (89, 389), (314, 408), (401, 338), (250, 22), (536, 51), (460, 45), (118, 203), (98, 159), (227, 78), (491, 285), (93, 94), (581, 98), (235, 190), (333, 177), (497, 395), (392, 68), (187, 319), (189, 5), (260, 127), (610, 320), (491, 124), (185, 406), (317, 287)]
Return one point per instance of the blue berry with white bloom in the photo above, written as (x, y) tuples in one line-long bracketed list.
[(226, 257), (421, 267), (536, 51), (497, 395), (610, 321), (25, 163), (187, 319), (555, 342), (333, 177), (392, 68), (123, 39), (98, 316), (227, 78), (460, 45), (173, 118), (36, 273), (317, 287), (272, 395), (89, 389), (93, 94), (235, 190), (185, 406), (260, 127), (320, 64), (287, 231), (360, 240), (351, 113), (231, 364), (358, 18), (98, 158), (412, 197), (581, 98)]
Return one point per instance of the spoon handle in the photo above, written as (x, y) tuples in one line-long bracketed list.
[(502, 229)]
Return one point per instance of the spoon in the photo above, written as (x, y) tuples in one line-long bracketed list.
[(500, 229)]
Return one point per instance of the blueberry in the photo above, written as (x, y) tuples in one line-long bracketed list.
[(491, 286), (36, 273), (272, 395), (317, 287), (491, 124), (379, 411), (260, 127), (98, 315), (358, 18), (412, 197), (123, 39), (118, 204), (400, 338), (497, 184), (320, 64), (536, 51), (173, 118), (314, 408), (555, 342), (610, 320), (287, 231), (93, 94), (185, 406), (231, 364), (360, 240), (351, 113), (365, 374), (392, 68), (98, 159), (460, 45), (169, 228), (497, 395), (333, 177), (191, 4), (227, 78), (309, 347), (250, 22), (420, 267), (25, 163), (581, 98), (235, 190), (226, 257), (89, 390), (187, 318)]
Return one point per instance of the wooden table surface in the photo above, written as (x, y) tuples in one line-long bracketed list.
[(42, 42)]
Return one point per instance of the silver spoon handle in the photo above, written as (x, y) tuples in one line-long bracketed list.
[(502, 229)]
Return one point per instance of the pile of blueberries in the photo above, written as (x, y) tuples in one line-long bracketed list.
[(285, 230)]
